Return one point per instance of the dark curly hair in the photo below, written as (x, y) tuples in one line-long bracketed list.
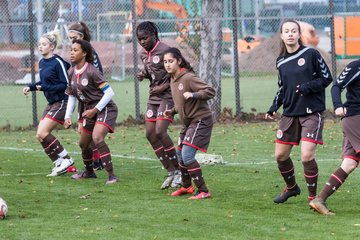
[(86, 47)]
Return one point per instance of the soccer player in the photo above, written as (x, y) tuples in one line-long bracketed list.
[(303, 77), (156, 123), (190, 96), (80, 30), (100, 112), (350, 114), (53, 82)]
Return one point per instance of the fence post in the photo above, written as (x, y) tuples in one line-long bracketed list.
[(236, 58), (32, 61), (135, 62), (332, 37)]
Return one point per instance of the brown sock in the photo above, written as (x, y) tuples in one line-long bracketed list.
[(96, 154), (160, 153), (105, 157), (195, 172), (311, 176), (286, 169), (185, 176), (87, 159), (335, 181), (171, 155), (52, 147)]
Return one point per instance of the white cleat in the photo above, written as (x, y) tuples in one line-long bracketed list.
[(56, 163), (168, 180), (53, 173), (176, 182), (65, 164)]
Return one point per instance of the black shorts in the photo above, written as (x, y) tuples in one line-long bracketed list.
[(351, 140), (155, 112), (307, 128), (55, 111), (106, 117), (197, 134)]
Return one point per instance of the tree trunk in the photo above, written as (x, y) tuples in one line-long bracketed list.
[(211, 43), (6, 19)]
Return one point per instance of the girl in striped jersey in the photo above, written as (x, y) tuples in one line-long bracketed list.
[(80, 30), (88, 85), (303, 77), (349, 79), (156, 123), (53, 82)]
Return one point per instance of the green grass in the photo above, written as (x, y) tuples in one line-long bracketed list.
[(242, 190), (255, 93)]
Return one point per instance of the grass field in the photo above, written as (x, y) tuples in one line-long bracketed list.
[(255, 93), (241, 206)]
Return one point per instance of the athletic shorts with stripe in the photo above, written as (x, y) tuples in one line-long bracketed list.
[(155, 112), (307, 128), (197, 134), (55, 111), (106, 117), (351, 140)]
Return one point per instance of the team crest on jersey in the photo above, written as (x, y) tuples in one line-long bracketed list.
[(181, 86), (279, 134), (301, 61), (149, 113), (84, 82), (156, 59)]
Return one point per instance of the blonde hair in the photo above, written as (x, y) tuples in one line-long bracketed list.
[(53, 37)]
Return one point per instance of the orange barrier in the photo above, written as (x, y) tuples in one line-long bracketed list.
[(347, 36)]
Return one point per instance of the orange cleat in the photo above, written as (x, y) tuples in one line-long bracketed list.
[(182, 191), (200, 195)]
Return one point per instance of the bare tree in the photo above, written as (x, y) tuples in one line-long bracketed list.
[(211, 43), (6, 19)]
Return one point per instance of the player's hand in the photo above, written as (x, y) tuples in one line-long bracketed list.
[(340, 111), (26, 90), (38, 87), (298, 90), (140, 76), (168, 113), (67, 123), (270, 115), (90, 113), (187, 95)]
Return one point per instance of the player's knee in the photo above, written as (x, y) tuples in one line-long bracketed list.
[(98, 139), (281, 156), (349, 165), (188, 155), (307, 156), (83, 145), (160, 134), (40, 136)]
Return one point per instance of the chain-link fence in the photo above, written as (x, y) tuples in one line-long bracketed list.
[(232, 44)]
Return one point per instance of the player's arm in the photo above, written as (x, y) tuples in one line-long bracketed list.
[(350, 74), (199, 89), (69, 110), (278, 100), (322, 80)]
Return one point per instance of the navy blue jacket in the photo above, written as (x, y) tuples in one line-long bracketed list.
[(53, 78), (349, 79), (303, 76)]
